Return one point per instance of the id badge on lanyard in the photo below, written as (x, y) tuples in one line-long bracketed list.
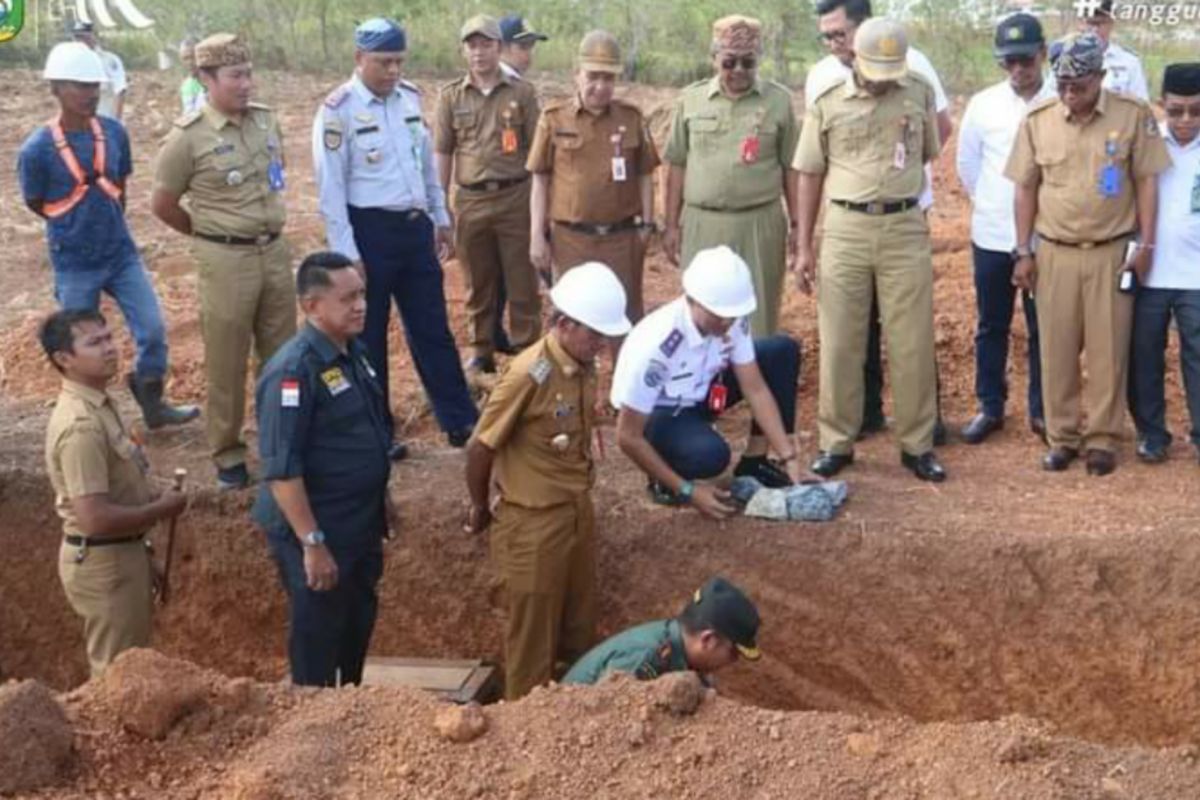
[(718, 396), (1110, 173)]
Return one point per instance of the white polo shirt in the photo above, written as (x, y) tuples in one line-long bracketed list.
[(830, 71), (1177, 244), (666, 362), (985, 139)]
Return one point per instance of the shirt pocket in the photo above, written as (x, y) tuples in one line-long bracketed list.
[(1051, 158), (568, 146), (705, 133), (465, 122), (369, 150)]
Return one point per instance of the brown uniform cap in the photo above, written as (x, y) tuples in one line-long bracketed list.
[(737, 33), (599, 52), (221, 50), (483, 25)]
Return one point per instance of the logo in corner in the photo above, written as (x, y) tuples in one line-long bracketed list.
[(12, 19)]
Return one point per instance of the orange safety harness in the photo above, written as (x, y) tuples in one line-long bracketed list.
[(57, 208)]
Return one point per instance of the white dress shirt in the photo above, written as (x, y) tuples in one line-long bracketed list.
[(985, 139), (1176, 251), (830, 71), (382, 158), (666, 362), (117, 83)]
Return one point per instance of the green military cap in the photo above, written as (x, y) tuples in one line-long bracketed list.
[(482, 25), (599, 52), (221, 50), (724, 608), (881, 50)]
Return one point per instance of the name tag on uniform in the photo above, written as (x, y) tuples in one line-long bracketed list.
[(290, 394), (335, 381), (618, 169), (900, 156)]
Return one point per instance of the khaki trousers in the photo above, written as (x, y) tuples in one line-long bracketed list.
[(492, 239), (890, 253), (1080, 311), (247, 294), (758, 235), (111, 589), (546, 558), (623, 252)]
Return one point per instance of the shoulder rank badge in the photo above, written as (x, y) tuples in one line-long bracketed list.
[(540, 371), (671, 343)]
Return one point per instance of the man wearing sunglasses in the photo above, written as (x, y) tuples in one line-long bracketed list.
[(985, 139), (1086, 166), (730, 154), (838, 21), (1172, 288)]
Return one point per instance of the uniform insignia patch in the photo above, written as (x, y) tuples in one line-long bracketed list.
[(540, 371), (656, 374), (671, 343), (335, 380), (332, 138), (290, 393), (1152, 126), (223, 148), (362, 116)]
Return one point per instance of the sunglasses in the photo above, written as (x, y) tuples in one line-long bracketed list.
[(747, 62), (1017, 61), (1179, 112)]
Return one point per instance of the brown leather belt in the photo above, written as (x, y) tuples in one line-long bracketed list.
[(87, 541), (630, 224), (492, 186), (878, 208), (261, 240), (1086, 245)]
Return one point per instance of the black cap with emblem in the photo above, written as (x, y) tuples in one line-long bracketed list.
[(1018, 34), (1182, 79), (724, 608)]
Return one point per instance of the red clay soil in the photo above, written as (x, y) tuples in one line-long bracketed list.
[(1004, 591)]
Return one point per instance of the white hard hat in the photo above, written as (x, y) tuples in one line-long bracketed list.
[(719, 280), (592, 295), (74, 61)]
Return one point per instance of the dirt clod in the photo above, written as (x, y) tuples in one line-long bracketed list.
[(150, 692), (679, 692), (35, 738), (461, 724)]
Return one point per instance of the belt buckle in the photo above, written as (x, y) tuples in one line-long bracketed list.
[(262, 240), (491, 186), (1086, 245), (604, 230), (874, 208)]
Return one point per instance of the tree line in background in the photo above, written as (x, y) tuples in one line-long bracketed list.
[(665, 42)]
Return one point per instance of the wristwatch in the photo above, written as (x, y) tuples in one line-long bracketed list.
[(686, 490), (1022, 252), (313, 538)]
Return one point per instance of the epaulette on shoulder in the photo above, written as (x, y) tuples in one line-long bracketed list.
[(338, 96), (1041, 105), (454, 84), (412, 87), (829, 87), (1129, 98), (260, 106), (189, 119)]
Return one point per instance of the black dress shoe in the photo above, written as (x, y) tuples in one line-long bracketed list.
[(460, 437), (981, 427), (924, 466), (1101, 462), (1038, 426), (762, 469), (939, 433), (230, 479), (1150, 453), (829, 464), (398, 451), (1059, 458)]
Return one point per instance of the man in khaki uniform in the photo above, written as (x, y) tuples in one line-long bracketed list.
[(101, 492), (537, 432), (730, 154), (1086, 165), (864, 146), (228, 159), (484, 124), (593, 161)]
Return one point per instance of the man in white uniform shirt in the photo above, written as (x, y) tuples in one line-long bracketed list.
[(1172, 288), (1123, 70), (688, 361), (112, 94), (838, 21), (985, 139)]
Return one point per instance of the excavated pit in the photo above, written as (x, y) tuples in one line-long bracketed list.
[(1097, 636)]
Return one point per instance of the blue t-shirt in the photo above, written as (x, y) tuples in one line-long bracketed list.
[(94, 231)]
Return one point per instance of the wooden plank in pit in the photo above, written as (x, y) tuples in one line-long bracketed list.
[(460, 681)]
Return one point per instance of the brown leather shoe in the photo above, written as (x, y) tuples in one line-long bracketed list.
[(1058, 459), (1101, 462)]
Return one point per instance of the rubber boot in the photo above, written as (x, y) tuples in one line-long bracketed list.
[(149, 395)]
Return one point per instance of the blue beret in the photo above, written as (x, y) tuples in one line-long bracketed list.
[(379, 35)]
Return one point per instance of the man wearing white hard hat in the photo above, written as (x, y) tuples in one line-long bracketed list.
[(72, 172), (536, 432), (688, 361)]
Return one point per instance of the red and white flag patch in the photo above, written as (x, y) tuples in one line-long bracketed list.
[(290, 394)]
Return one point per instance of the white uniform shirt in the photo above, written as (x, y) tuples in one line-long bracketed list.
[(985, 139), (830, 71), (1177, 244), (666, 362), (1122, 73), (371, 153), (117, 83)]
